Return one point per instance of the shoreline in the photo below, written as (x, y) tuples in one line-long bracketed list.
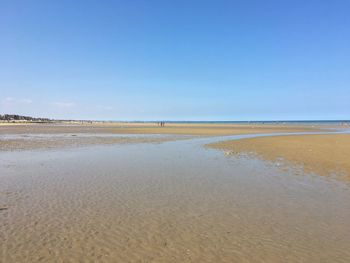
[(50, 136), (153, 128)]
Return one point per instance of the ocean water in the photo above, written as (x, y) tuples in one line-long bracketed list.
[(285, 122)]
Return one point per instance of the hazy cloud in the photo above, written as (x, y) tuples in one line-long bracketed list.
[(9, 101), (64, 105), (106, 108)]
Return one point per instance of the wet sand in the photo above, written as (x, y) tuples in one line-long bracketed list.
[(31, 136), (170, 201), (152, 128), (322, 154), (54, 141)]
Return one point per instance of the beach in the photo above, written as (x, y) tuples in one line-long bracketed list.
[(26, 136), (143, 193), (153, 128), (174, 132), (322, 154)]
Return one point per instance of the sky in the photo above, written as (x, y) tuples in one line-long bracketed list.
[(175, 60)]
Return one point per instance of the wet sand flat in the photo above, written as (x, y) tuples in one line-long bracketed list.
[(31, 136), (323, 154), (152, 128), (172, 201), (56, 141)]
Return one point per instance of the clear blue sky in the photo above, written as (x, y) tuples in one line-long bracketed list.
[(176, 60)]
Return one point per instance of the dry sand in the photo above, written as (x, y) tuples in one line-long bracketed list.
[(322, 154)]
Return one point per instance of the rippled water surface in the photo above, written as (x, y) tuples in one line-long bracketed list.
[(166, 202)]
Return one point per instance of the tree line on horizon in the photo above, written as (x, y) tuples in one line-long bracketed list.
[(15, 117)]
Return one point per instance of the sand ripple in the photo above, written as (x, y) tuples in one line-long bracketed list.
[(168, 202)]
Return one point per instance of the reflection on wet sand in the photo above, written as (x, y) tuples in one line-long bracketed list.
[(56, 141), (169, 202)]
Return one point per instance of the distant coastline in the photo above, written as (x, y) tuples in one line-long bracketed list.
[(21, 118), (15, 118)]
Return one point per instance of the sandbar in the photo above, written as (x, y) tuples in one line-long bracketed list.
[(152, 128), (325, 154)]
